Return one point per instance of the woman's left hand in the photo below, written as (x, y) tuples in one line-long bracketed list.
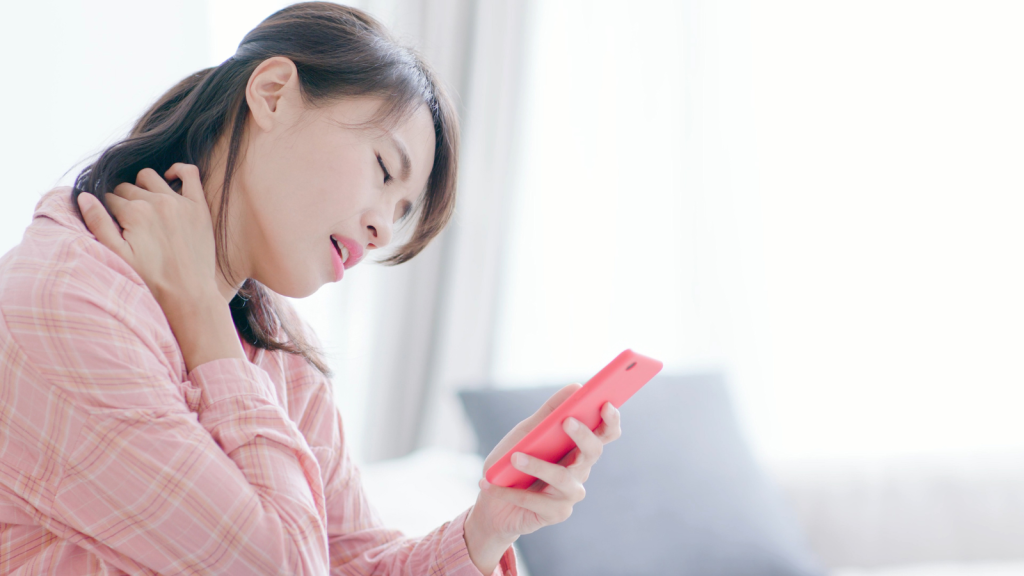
[(502, 514)]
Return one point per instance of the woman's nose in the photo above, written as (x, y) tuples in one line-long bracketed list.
[(380, 232)]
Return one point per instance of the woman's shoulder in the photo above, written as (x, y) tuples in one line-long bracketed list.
[(79, 319), (60, 267), (58, 238)]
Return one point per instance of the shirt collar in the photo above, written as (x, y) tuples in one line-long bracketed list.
[(57, 206)]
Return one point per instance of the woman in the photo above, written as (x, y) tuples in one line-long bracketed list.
[(162, 410)]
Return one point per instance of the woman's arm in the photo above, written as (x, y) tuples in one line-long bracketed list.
[(361, 545), (144, 483)]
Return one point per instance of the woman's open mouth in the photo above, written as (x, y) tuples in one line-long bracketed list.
[(341, 250), (347, 252)]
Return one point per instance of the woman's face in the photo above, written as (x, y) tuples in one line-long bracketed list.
[(312, 174)]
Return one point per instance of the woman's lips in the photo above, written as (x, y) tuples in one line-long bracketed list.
[(355, 250), (355, 254)]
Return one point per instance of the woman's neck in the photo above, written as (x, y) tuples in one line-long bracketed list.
[(237, 257)]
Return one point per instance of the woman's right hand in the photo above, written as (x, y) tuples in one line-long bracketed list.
[(167, 238)]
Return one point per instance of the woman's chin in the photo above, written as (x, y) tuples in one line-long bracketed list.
[(308, 290), (298, 289)]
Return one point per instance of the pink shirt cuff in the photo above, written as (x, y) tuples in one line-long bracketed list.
[(231, 377), (455, 540)]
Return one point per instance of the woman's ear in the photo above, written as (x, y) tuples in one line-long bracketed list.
[(273, 91)]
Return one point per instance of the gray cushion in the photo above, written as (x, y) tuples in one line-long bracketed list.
[(678, 493)]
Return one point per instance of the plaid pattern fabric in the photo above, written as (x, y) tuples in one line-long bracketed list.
[(114, 460)]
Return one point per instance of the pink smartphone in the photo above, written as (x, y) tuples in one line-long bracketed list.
[(615, 383)]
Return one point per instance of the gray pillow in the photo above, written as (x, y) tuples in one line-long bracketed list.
[(678, 493)]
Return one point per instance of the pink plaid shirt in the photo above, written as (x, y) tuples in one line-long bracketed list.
[(114, 460)]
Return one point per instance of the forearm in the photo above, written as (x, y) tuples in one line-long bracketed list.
[(485, 549), (363, 545)]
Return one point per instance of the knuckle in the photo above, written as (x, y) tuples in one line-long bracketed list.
[(162, 201), (142, 209), (186, 170)]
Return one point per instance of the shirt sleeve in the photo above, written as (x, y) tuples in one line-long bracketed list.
[(148, 485), (359, 542)]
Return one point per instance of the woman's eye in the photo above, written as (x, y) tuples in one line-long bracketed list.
[(387, 175)]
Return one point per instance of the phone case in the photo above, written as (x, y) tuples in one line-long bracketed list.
[(615, 383)]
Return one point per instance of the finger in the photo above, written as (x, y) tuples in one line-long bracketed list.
[(524, 427), (148, 179), (191, 183), (570, 458), (589, 444), (553, 402), (558, 477), (130, 191), (574, 456), (102, 225), (121, 210), (611, 425), (551, 509)]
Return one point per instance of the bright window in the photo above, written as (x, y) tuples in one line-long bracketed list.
[(823, 199)]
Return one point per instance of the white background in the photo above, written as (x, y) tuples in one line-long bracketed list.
[(823, 199)]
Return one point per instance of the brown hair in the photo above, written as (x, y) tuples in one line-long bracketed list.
[(338, 51)]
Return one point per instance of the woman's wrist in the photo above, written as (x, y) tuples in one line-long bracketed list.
[(205, 331), (485, 548)]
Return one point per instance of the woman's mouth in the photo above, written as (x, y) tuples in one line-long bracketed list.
[(346, 254), (340, 248)]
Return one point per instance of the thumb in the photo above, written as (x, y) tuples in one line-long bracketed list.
[(549, 406), (102, 225), (556, 399), (519, 431)]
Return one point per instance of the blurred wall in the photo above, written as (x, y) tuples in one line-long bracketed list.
[(77, 74)]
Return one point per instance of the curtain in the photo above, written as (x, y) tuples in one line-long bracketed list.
[(432, 329)]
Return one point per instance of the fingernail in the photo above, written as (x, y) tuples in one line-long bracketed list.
[(484, 484), (572, 424), (521, 459)]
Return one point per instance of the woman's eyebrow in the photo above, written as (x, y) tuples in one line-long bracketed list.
[(403, 156)]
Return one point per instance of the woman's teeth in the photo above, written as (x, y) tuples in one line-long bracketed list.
[(341, 250)]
